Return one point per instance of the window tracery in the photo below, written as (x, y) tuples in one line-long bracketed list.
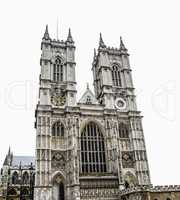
[(58, 129), (123, 131), (58, 71), (92, 150), (116, 76)]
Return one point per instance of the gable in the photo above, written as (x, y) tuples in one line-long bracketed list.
[(88, 98)]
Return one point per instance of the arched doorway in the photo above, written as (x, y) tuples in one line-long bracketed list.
[(61, 191), (58, 188)]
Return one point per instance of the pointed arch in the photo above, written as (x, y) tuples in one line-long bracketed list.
[(58, 174), (58, 129), (116, 75), (58, 70), (93, 159), (123, 130), (95, 121), (58, 182), (130, 179), (15, 178), (25, 178)]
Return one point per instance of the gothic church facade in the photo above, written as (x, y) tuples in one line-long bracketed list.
[(91, 149), (94, 145)]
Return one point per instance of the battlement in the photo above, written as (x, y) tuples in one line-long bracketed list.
[(151, 188)]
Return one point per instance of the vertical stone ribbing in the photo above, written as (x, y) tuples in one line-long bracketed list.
[(141, 163)]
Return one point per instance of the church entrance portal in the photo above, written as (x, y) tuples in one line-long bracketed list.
[(58, 189), (61, 191)]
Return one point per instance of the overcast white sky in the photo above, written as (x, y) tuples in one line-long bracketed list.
[(150, 30)]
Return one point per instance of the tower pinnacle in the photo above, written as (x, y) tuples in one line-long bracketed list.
[(101, 42), (69, 38), (122, 46), (9, 151), (46, 34)]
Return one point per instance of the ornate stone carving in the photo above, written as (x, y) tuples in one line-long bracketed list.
[(98, 193), (127, 160), (130, 179), (58, 161)]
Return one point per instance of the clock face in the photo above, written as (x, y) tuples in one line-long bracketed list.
[(120, 104), (58, 100)]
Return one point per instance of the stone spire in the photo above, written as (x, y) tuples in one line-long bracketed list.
[(5, 161), (122, 46), (8, 157), (46, 34), (69, 38), (101, 42)]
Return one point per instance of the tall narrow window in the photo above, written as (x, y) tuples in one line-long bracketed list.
[(58, 71), (92, 150), (116, 76), (58, 129), (15, 178), (123, 131), (25, 178)]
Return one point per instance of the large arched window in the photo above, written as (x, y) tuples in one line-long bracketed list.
[(25, 178), (15, 178), (92, 150), (58, 71), (58, 129), (123, 131), (116, 76)]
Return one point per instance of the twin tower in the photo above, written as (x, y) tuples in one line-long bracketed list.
[(92, 148)]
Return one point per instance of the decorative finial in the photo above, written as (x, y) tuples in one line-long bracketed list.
[(87, 86), (46, 34), (94, 53), (101, 42), (122, 46), (9, 151), (69, 38)]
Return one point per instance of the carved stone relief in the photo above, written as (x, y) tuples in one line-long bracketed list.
[(58, 161), (127, 160)]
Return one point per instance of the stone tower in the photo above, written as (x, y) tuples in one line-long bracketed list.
[(93, 148)]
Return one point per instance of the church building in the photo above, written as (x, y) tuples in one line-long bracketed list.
[(87, 149)]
